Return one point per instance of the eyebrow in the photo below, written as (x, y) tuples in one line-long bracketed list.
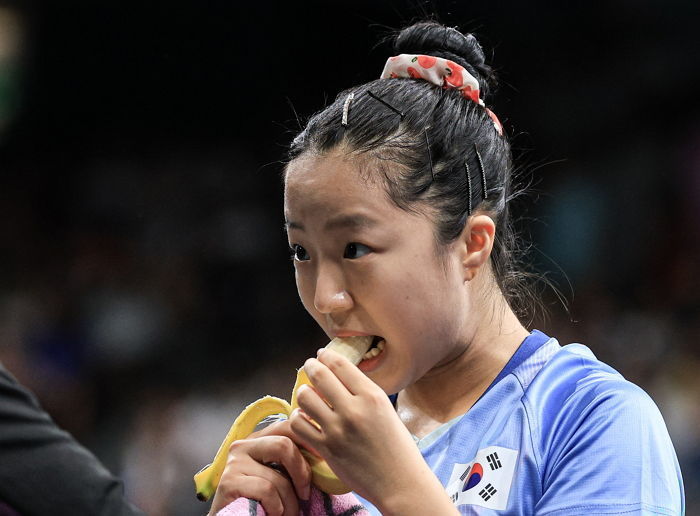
[(340, 222)]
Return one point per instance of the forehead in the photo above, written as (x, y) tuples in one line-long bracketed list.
[(321, 185)]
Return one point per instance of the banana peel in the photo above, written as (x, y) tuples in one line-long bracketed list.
[(322, 476)]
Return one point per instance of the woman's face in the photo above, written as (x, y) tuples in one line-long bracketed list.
[(365, 267)]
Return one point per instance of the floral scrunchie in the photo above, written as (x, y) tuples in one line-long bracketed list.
[(441, 72)]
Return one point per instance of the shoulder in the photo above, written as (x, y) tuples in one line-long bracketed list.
[(574, 378), (575, 391), (589, 422)]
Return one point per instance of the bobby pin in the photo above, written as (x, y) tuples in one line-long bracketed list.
[(483, 173), (430, 156), (469, 188), (378, 98), (346, 109)]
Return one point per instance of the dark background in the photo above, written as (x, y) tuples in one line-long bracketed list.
[(145, 289)]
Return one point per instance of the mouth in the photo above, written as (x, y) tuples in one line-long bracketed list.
[(376, 349)]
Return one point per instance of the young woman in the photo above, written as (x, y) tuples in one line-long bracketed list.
[(397, 210)]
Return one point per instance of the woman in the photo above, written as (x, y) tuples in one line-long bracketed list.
[(397, 209)]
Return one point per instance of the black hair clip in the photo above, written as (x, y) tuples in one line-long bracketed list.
[(483, 173), (430, 156), (378, 98), (469, 188)]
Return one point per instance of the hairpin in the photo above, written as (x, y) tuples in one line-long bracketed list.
[(469, 188), (483, 173), (378, 98), (346, 109), (430, 156)]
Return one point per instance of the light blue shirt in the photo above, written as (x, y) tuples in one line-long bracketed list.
[(558, 433)]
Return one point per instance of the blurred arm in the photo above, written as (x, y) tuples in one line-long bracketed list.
[(43, 470)]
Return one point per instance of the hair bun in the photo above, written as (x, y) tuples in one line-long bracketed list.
[(431, 38)]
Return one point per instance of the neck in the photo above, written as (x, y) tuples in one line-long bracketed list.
[(452, 387)]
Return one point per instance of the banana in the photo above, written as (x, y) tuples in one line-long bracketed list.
[(207, 479)]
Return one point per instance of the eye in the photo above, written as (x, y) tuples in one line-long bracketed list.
[(298, 253), (354, 250)]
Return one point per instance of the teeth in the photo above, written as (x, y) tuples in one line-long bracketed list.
[(374, 351)]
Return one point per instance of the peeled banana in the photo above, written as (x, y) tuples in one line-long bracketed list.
[(207, 479)]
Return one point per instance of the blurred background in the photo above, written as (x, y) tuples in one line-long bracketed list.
[(146, 293)]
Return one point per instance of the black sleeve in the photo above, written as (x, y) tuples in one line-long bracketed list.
[(43, 470)]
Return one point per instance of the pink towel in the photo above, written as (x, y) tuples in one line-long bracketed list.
[(319, 504)]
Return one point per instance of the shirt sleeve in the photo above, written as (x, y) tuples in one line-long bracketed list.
[(607, 451), (43, 470)]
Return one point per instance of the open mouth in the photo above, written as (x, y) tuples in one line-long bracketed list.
[(376, 348)]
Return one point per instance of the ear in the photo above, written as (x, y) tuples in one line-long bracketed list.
[(477, 242)]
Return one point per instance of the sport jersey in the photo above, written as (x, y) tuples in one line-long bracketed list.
[(557, 432)]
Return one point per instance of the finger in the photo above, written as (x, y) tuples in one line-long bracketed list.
[(325, 381), (255, 488), (281, 483), (284, 428), (277, 428), (278, 450), (307, 430), (313, 406), (345, 371), (334, 376)]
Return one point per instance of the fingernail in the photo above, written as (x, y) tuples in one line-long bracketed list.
[(320, 350)]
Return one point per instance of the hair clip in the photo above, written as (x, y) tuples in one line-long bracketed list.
[(430, 156), (469, 188), (346, 109), (483, 173), (378, 98)]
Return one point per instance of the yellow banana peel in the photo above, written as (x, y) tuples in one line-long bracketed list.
[(207, 479)]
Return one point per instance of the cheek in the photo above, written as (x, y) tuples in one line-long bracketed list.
[(421, 303), (305, 289), (398, 296)]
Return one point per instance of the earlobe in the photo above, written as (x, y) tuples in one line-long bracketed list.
[(469, 273), (478, 238)]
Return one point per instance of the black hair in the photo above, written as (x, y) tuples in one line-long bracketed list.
[(424, 140)]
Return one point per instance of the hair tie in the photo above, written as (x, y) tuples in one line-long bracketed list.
[(441, 72)]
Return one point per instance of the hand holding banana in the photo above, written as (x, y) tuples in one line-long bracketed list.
[(207, 480)]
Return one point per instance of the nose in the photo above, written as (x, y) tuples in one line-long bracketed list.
[(330, 295)]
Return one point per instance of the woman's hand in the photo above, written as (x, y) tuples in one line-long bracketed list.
[(363, 440), (267, 467)]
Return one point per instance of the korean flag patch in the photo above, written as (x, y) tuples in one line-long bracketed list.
[(485, 481)]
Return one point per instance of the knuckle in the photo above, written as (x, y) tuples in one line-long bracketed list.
[(286, 446), (268, 490), (303, 394), (353, 414), (335, 361), (236, 447), (281, 445), (375, 400), (313, 369), (231, 462), (270, 499), (295, 421), (231, 491), (228, 486)]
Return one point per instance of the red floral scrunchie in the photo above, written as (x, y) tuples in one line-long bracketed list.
[(441, 72)]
